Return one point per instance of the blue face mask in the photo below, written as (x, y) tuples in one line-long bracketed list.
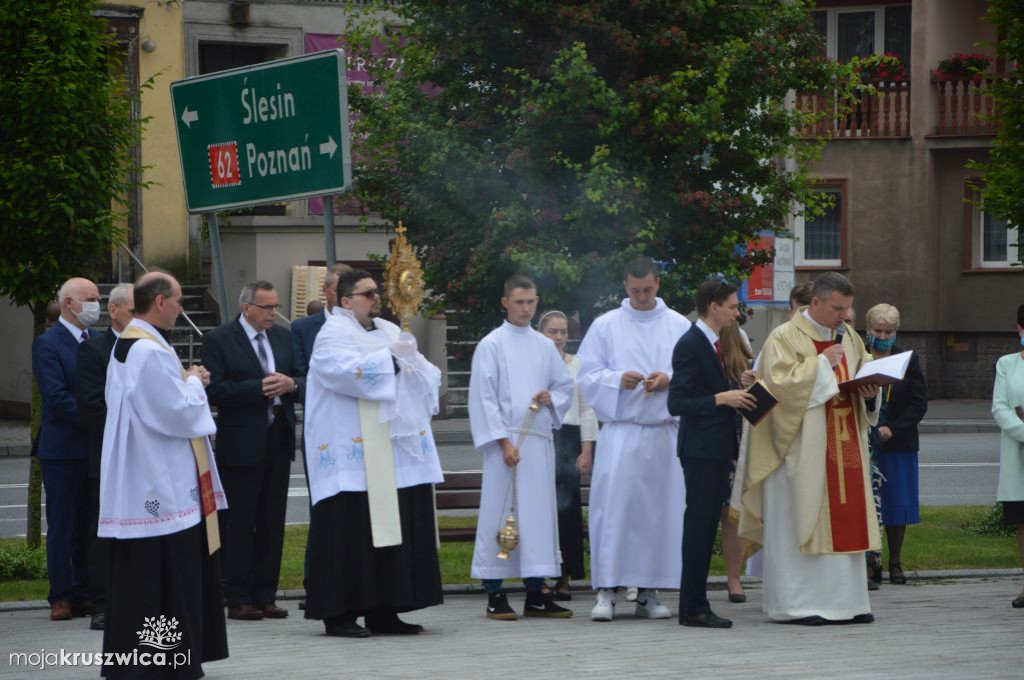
[(886, 344)]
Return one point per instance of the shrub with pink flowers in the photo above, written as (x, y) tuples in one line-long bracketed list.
[(963, 66)]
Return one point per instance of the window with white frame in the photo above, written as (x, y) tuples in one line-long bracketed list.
[(864, 30), (820, 238), (995, 242)]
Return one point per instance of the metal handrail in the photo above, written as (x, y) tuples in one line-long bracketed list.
[(183, 312)]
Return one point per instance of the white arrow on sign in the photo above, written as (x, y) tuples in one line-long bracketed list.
[(328, 147), (189, 117)]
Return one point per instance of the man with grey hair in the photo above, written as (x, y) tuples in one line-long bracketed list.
[(62, 447), (806, 489), (254, 384), (91, 381)]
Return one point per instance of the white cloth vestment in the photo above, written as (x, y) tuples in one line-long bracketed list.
[(637, 495), (350, 364), (511, 365), (149, 484)]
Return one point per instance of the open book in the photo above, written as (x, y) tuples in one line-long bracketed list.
[(766, 401), (879, 372)]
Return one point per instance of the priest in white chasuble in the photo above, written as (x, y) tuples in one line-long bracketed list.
[(637, 496), (515, 366), (159, 496), (807, 487), (372, 461)]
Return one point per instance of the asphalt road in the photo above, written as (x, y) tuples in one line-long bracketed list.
[(955, 469)]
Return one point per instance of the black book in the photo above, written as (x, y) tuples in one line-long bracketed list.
[(766, 401)]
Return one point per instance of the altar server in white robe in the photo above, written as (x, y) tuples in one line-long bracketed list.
[(636, 492), (159, 493), (371, 461), (514, 366)]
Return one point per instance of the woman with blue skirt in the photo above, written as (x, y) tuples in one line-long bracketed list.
[(894, 441)]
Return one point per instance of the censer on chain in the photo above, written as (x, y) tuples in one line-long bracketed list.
[(508, 535)]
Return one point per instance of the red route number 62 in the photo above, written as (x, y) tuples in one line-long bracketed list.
[(224, 165)]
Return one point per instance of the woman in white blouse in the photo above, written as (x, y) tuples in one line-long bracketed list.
[(574, 453)]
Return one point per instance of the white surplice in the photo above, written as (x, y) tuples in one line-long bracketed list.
[(349, 364), (149, 483), (796, 584), (510, 365), (637, 495)]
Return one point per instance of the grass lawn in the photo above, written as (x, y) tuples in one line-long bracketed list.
[(941, 541)]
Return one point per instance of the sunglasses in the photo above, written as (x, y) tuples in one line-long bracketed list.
[(266, 308), (368, 294)]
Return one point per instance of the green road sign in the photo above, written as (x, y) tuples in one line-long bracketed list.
[(263, 133)]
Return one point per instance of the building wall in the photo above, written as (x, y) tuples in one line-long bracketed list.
[(906, 221), (164, 223)]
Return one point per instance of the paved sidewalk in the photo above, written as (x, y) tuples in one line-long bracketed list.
[(940, 629)]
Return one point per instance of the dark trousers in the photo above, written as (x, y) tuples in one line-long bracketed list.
[(98, 554), (66, 483), (252, 528), (707, 488)]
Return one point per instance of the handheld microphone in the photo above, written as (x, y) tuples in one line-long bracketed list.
[(840, 332)]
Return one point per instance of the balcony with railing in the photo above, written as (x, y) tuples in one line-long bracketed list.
[(883, 113), (964, 106)]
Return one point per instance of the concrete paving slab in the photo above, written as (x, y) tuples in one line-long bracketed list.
[(934, 629)]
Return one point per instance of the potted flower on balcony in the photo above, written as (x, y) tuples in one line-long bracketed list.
[(962, 66), (889, 66)]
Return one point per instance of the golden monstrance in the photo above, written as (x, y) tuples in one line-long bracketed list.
[(403, 278)]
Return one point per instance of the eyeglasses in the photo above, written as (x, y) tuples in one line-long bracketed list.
[(368, 294), (266, 308)]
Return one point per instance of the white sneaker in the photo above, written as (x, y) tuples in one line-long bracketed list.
[(631, 593), (604, 608), (648, 607)]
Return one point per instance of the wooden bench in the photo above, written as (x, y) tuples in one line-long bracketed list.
[(461, 491)]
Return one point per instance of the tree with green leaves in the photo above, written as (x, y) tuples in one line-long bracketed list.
[(66, 155), (561, 138), (1002, 189)]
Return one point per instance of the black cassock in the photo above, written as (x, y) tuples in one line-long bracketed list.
[(175, 577), (349, 577)]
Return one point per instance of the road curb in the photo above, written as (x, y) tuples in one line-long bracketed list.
[(582, 587)]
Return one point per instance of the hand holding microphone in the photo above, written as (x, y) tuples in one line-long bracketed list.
[(835, 352)]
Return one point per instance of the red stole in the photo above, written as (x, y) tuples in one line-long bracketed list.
[(844, 470)]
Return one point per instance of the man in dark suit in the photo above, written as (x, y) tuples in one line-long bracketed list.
[(254, 384), (62, 447), (91, 380), (708, 441)]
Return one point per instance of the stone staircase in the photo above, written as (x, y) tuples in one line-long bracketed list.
[(183, 338), (460, 356)]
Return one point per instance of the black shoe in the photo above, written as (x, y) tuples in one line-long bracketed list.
[(705, 620), (738, 598), (498, 609), (863, 618), (345, 627), (302, 605), (896, 575), (1018, 602), (543, 605), (388, 623), (809, 621), (99, 620)]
